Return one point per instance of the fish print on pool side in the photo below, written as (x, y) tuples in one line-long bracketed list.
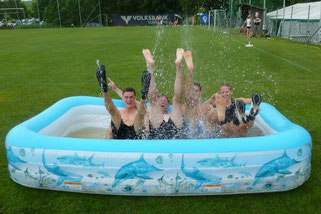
[(278, 165), (245, 173), (200, 177), (78, 161), (104, 173), (28, 175), (134, 169), (159, 160), (62, 174), (14, 159), (162, 181), (220, 162)]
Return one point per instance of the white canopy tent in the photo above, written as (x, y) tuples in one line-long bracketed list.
[(301, 11), (297, 22)]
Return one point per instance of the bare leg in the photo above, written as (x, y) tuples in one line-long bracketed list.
[(113, 110), (191, 103), (214, 116), (156, 116), (177, 114), (220, 107)]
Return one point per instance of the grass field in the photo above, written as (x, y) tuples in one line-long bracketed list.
[(41, 66)]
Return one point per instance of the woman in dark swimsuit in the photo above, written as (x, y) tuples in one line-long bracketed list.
[(236, 121)]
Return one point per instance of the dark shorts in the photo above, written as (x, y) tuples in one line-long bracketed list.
[(124, 131), (248, 26), (167, 130)]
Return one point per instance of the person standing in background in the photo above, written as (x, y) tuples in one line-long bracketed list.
[(257, 22)]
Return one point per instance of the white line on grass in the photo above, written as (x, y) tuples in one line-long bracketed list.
[(279, 57)]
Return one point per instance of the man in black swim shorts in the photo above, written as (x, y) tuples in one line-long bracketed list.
[(128, 122)]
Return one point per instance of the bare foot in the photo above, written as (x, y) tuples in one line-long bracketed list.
[(179, 56), (189, 60), (148, 57)]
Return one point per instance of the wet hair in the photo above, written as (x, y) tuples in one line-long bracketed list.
[(163, 95), (129, 89), (198, 85), (227, 85)]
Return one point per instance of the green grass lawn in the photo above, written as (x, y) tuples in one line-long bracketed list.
[(41, 66)]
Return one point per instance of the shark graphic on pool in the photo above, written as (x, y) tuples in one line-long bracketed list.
[(220, 162), (78, 161), (278, 165), (13, 158), (62, 174), (199, 176), (134, 169)]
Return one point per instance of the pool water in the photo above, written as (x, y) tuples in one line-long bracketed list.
[(100, 133)]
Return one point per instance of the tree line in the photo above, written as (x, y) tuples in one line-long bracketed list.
[(78, 12)]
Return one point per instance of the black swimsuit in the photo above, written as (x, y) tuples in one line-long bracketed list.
[(167, 130), (124, 131), (229, 114)]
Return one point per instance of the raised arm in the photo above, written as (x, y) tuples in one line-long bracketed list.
[(113, 86)]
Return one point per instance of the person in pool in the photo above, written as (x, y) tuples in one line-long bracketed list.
[(158, 121), (200, 119), (128, 122), (164, 125), (163, 102), (236, 122)]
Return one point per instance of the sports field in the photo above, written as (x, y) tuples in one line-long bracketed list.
[(41, 66)]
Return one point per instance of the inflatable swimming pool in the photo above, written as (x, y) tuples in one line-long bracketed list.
[(41, 155)]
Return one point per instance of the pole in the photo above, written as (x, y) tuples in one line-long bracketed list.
[(214, 19), (100, 21), (209, 20), (320, 23), (16, 9), (80, 20), (24, 14), (283, 18), (276, 26), (59, 13), (264, 13), (240, 15), (290, 22), (38, 10), (308, 24), (231, 12)]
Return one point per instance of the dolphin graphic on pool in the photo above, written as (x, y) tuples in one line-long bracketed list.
[(199, 176), (278, 165), (134, 169)]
